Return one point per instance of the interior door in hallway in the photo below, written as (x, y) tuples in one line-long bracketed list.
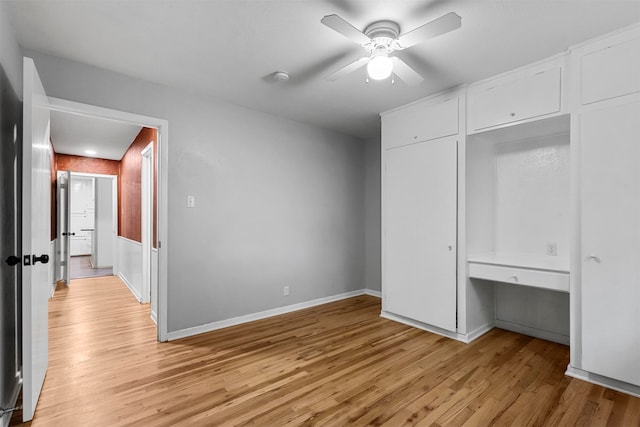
[(64, 226), (36, 234)]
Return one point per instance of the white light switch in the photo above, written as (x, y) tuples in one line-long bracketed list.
[(191, 201)]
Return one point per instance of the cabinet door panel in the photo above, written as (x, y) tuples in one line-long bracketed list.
[(610, 165), (527, 97), (420, 122), (611, 72), (420, 232)]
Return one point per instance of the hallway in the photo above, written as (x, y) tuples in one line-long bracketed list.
[(99, 340), (81, 268)]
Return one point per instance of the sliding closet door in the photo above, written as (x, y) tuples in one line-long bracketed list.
[(420, 232)]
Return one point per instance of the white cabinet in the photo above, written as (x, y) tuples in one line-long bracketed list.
[(420, 210), (606, 289), (610, 242), (422, 121), (521, 95), (611, 70)]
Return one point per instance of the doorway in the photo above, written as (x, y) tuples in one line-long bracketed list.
[(87, 225), (157, 262)]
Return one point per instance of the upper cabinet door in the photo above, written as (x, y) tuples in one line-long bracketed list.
[(423, 121), (515, 98), (611, 71)]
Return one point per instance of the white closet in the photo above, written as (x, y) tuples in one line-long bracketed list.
[(420, 226), (515, 202), (607, 287), (420, 178)]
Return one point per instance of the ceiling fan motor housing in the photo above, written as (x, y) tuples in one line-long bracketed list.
[(383, 35)]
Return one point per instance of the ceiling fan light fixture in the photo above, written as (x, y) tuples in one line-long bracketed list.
[(380, 66)]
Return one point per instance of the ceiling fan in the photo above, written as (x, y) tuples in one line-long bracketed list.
[(381, 39)]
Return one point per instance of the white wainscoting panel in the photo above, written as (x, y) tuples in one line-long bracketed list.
[(130, 264)]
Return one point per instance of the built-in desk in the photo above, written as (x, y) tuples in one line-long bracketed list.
[(546, 272)]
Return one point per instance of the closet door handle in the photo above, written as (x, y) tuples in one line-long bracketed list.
[(593, 258)]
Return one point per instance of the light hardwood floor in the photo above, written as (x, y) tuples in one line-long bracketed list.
[(335, 364)]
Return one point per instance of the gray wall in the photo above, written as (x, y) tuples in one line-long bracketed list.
[(278, 203), (372, 223)]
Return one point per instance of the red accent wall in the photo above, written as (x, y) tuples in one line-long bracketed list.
[(67, 162), (129, 171), (129, 204)]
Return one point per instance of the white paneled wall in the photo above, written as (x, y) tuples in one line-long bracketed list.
[(128, 265)]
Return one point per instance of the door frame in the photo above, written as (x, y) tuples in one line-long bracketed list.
[(146, 211), (162, 126), (114, 204)]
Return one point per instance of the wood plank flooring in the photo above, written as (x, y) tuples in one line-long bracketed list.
[(336, 364)]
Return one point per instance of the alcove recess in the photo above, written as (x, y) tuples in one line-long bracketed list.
[(518, 212)]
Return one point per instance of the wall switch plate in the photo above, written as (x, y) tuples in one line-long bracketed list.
[(191, 201), (552, 249), (285, 291)]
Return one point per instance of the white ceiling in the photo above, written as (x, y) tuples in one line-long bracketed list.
[(73, 134), (229, 48)]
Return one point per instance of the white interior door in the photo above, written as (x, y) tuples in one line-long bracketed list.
[(36, 223), (64, 224), (611, 242), (420, 211)]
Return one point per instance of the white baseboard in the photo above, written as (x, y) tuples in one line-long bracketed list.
[(154, 317), (533, 332), (465, 338), (420, 325), (373, 293), (183, 333), (603, 381), (130, 286), (475, 334)]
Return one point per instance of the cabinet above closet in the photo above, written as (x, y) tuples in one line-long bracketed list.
[(424, 120), (529, 93)]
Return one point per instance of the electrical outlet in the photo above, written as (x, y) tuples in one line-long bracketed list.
[(285, 291), (552, 249)]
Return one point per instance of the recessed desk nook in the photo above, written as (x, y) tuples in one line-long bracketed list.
[(518, 210)]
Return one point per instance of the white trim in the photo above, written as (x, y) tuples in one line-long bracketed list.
[(465, 338), (162, 165), (92, 175), (129, 285), (146, 226), (154, 317), (183, 333), (600, 380), (373, 293), (477, 333), (129, 240), (533, 332)]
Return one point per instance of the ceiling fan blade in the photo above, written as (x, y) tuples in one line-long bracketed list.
[(348, 68), (405, 72), (449, 22), (341, 26)]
